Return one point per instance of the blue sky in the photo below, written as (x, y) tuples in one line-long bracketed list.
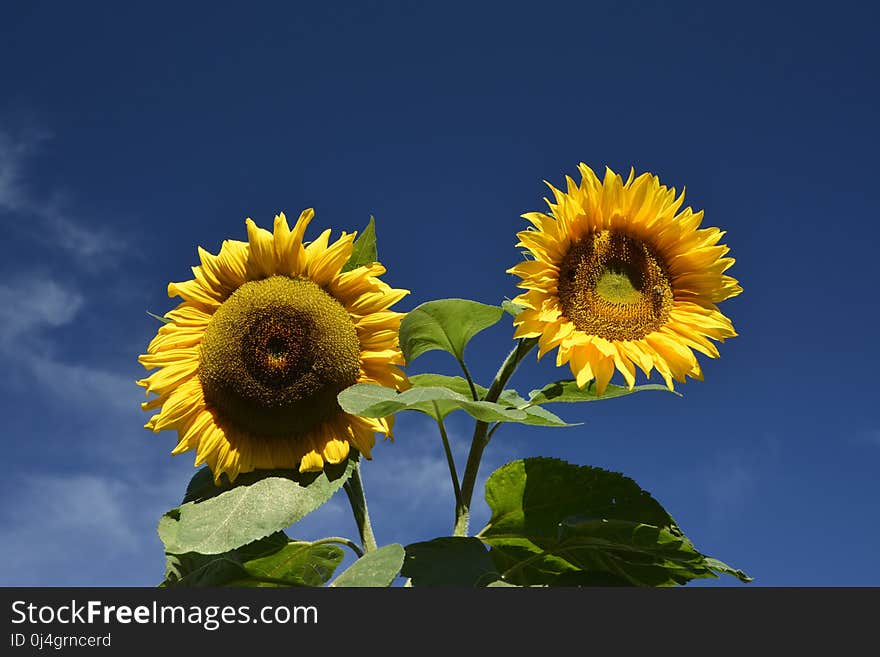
[(129, 137)]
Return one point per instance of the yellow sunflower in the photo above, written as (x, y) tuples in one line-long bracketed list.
[(619, 277), (268, 333)]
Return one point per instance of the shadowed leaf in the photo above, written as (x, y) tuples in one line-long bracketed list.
[(555, 523), (449, 561)]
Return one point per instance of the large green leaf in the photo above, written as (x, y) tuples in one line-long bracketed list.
[(378, 568), (509, 399), (196, 570), (364, 248), (298, 563), (556, 523), (445, 324), (216, 519), (568, 391), (370, 400), (193, 569), (271, 561), (449, 561)]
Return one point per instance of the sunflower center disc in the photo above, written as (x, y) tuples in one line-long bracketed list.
[(275, 355), (614, 286)]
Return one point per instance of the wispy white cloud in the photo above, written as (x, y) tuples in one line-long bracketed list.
[(734, 479), (729, 488), (30, 304), (84, 385), (81, 530), (91, 245), (14, 152), (33, 310), (868, 437)]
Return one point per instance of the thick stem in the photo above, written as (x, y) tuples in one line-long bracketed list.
[(354, 488), (482, 435)]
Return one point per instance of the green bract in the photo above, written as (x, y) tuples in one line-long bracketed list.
[(364, 251)]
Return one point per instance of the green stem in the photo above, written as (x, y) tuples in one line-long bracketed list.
[(449, 460), (470, 379), (340, 540), (354, 488), (481, 432)]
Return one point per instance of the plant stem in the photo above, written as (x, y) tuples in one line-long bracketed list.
[(469, 378), (450, 460), (354, 488), (481, 433), (340, 540)]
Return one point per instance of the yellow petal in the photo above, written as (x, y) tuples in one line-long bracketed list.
[(261, 255)]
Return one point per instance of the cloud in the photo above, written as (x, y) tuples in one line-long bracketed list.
[(32, 309), (81, 530), (734, 478), (33, 303), (868, 437), (14, 152), (729, 488), (84, 385), (408, 484), (92, 247)]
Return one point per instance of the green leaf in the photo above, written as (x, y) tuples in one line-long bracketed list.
[(193, 569), (449, 561), (555, 523), (455, 383), (644, 555), (364, 251), (271, 561), (216, 519), (445, 324), (719, 566), (568, 391), (375, 569), (198, 570), (534, 415), (370, 400), (299, 563)]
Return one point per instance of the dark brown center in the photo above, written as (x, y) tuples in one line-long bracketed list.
[(276, 354), (614, 286)]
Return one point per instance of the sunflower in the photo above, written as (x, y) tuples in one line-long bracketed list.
[(268, 333), (619, 278)]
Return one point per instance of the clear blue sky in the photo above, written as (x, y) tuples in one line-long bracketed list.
[(128, 136)]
